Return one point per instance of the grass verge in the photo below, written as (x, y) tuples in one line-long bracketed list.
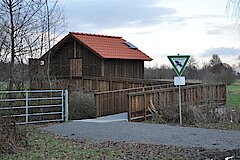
[(39, 145), (222, 126), (47, 146), (233, 96)]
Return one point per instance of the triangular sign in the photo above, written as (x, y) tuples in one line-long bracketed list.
[(179, 63)]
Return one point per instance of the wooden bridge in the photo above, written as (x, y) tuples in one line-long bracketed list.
[(136, 101), (116, 101), (117, 95)]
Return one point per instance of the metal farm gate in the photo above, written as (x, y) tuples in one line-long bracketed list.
[(36, 106)]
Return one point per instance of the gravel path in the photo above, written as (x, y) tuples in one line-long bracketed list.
[(149, 134)]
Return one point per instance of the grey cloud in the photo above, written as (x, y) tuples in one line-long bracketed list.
[(221, 51), (92, 15), (205, 16), (114, 13), (198, 17), (214, 31), (174, 19)]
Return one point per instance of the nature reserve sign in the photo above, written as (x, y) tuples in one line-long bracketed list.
[(179, 63)]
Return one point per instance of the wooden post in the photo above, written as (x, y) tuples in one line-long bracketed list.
[(145, 106), (97, 105), (100, 104), (113, 104), (102, 69), (74, 49), (129, 108)]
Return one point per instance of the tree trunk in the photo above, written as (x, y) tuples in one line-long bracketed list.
[(49, 45), (10, 87)]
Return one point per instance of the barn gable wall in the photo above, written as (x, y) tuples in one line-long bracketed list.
[(123, 68), (88, 63), (70, 49)]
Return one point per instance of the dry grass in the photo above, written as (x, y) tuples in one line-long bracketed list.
[(47, 146), (10, 136), (81, 104)]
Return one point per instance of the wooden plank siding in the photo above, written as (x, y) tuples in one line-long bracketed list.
[(60, 60), (139, 102), (123, 68), (75, 67), (92, 64), (116, 101), (104, 83)]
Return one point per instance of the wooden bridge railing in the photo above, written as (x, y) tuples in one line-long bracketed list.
[(139, 102), (116, 101), (95, 83)]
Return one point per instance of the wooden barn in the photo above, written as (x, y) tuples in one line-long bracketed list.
[(114, 69), (82, 54)]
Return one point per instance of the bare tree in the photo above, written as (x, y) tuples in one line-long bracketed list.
[(50, 30), (191, 71), (16, 16), (25, 32), (215, 60), (217, 71), (239, 61), (233, 10)]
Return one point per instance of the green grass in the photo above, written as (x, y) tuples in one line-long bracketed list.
[(47, 146), (237, 82), (233, 96), (233, 88), (224, 126), (39, 145), (4, 86), (50, 147)]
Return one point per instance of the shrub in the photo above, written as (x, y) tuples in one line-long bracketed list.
[(81, 104), (171, 115), (10, 136), (201, 114)]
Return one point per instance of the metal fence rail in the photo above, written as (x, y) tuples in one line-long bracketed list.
[(36, 106)]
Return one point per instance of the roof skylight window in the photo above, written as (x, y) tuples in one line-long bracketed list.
[(130, 45)]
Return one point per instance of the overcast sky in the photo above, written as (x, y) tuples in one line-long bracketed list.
[(159, 28)]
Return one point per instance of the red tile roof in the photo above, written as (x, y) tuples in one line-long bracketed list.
[(110, 46)]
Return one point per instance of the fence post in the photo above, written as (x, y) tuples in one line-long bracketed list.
[(26, 107), (129, 108), (66, 105), (145, 107)]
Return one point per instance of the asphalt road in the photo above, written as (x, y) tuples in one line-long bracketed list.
[(148, 133)]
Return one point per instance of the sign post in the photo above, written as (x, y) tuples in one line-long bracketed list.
[(180, 105), (179, 63)]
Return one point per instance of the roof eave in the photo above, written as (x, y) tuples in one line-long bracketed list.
[(79, 41), (145, 59), (55, 46)]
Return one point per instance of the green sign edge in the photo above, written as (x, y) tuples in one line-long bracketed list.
[(184, 65)]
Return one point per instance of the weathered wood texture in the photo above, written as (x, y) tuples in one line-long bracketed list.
[(96, 83), (139, 102), (75, 67), (65, 62), (116, 101), (123, 68)]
